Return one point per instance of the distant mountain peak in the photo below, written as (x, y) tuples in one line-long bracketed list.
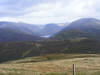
[(85, 27), (87, 20), (84, 22)]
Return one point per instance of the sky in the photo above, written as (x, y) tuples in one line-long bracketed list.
[(48, 11)]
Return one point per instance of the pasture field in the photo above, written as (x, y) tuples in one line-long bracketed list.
[(55, 64)]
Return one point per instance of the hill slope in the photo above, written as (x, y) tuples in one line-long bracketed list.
[(51, 29), (86, 64), (82, 28), (18, 50), (10, 32)]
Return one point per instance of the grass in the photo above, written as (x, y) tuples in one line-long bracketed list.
[(57, 74), (56, 64)]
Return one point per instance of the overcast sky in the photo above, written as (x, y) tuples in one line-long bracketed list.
[(48, 11)]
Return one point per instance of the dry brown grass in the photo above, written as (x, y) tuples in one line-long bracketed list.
[(88, 63)]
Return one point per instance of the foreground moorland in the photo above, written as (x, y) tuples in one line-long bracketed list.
[(55, 64)]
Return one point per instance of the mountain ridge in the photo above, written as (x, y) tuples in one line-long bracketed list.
[(86, 27)]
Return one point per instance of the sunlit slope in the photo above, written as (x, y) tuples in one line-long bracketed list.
[(85, 64)]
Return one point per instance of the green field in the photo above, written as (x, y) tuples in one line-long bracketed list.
[(56, 64)]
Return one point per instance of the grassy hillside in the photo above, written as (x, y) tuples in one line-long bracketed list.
[(85, 64), (18, 50), (85, 27), (76, 33), (8, 35)]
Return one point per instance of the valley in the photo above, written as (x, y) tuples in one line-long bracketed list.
[(27, 49), (49, 37)]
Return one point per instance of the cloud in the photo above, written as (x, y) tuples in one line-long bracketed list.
[(48, 11)]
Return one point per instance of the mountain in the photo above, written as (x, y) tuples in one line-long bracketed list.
[(51, 29), (82, 37), (82, 28), (24, 27), (11, 32)]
